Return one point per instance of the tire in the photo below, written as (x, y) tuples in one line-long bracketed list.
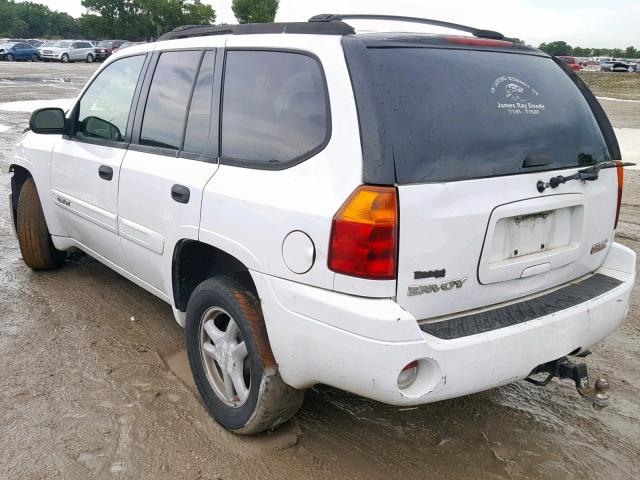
[(268, 401), (10, 58), (89, 58), (35, 58), (64, 58), (35, 242)]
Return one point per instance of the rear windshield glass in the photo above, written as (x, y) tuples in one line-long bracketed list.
[(462, 114)]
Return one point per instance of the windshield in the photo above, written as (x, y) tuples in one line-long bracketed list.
[(61, 44), (105, 44), (461, 114)]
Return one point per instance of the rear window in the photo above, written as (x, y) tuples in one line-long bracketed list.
[(463, 114)]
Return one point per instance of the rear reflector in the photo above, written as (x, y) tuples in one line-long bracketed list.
[(487, 42), (364, 234), (620, 170)]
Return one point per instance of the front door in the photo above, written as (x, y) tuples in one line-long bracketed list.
[(172, 157), (85, 166)]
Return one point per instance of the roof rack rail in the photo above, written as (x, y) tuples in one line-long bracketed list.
[(476, 32), (318, 28)]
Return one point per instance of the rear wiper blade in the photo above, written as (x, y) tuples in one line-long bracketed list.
[(586, 175)]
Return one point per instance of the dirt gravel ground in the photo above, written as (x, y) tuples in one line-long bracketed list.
[(94, 384)]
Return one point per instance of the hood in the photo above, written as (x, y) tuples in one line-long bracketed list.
[(53, 49)]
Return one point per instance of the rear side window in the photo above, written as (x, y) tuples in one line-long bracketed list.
[(462, 114), (275, 108), (168, 100)]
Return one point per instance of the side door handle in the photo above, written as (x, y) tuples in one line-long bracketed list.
[(180, 193), (105, 172)]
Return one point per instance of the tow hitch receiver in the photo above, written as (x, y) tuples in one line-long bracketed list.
[(564, 368)]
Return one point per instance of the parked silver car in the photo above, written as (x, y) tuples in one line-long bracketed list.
[(69, 51), (614, 65)]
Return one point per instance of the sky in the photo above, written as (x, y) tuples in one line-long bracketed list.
[(585, 23)]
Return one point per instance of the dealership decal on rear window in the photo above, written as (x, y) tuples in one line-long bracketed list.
[(516, 96)]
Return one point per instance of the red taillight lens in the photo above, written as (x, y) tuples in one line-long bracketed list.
[(364, 235), (487, 42), (620, 170)]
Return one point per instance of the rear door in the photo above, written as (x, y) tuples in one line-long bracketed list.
[(173, 155), (472, 133)]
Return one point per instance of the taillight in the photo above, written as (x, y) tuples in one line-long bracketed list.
[(487, 42), (364, 234), (620, 170)]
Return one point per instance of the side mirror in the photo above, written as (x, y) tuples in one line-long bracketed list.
[(48, 121)]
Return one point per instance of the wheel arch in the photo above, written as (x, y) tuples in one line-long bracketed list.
[(194, 261), (20, 175)]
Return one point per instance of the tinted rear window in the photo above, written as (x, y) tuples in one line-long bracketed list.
[(463, 114)]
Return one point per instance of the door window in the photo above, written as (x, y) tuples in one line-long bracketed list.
[(275, 108), (104, 107), (198, 132), (168, 100)]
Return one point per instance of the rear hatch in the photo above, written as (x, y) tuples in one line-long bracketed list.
[(472, 131)]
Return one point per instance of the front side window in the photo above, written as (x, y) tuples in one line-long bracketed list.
[(166, 110), (275, 107), (104, 107)]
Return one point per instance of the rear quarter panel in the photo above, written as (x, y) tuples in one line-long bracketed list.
[(248, 212)]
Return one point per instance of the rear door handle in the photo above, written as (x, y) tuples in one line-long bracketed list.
[(105, 172), (180, 193)]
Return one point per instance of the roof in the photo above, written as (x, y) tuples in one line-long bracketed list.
[(326, 28), (325, 24)]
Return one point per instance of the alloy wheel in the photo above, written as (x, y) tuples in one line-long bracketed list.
[(225, 357)]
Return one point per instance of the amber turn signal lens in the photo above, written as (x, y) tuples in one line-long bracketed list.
[(364, 234)]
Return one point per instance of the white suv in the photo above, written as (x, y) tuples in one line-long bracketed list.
[(407, 217)]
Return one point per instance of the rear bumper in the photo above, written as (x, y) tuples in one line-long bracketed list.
[(360, 345)]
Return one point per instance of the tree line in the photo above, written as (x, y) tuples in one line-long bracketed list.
[(148, 19), (563, 48), (127, 19)]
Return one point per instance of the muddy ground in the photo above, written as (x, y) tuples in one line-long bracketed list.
[(94, 383)]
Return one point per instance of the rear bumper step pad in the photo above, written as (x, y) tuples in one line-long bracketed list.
[(521, 312)]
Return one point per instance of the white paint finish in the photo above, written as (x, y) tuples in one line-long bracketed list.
[(298, 252), (560, 231), (444, 226), (536, 270), (153, 222), (32, 105), (4, 128), (86, 211), (374, 318), (142, 236), (33, 152), (629, 141), (94, 200), (249, 212), (310, 350)]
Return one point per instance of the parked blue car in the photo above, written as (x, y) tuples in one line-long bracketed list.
[(11, 51)]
